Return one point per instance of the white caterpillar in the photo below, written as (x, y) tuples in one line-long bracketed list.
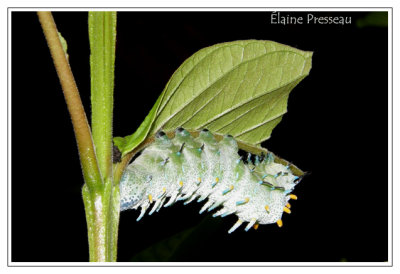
[(187, 168)]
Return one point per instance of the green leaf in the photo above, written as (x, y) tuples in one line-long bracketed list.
[(239, 88), (63, 44), (127, 144), (373, 19)]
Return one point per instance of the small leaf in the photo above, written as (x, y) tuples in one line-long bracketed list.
[(239, 87), (63, 44)]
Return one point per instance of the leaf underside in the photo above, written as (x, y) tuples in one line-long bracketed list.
[(239, 88)]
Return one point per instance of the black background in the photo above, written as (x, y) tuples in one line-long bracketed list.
[(335, 128)]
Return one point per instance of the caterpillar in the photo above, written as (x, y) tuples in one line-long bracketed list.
[(184, 168)]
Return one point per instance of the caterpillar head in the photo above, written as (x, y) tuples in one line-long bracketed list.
[(132, 193)]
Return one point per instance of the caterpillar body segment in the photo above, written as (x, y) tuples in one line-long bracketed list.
[(187, 169)]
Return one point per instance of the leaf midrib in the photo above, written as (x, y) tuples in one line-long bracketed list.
[(248, 110), (233, 108)]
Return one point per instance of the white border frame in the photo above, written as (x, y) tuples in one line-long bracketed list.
[(211, 264)]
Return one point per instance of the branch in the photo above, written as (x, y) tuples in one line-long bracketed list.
[(91, 172)]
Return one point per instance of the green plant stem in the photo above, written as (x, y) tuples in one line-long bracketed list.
[(101, 198), (102, 37)]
